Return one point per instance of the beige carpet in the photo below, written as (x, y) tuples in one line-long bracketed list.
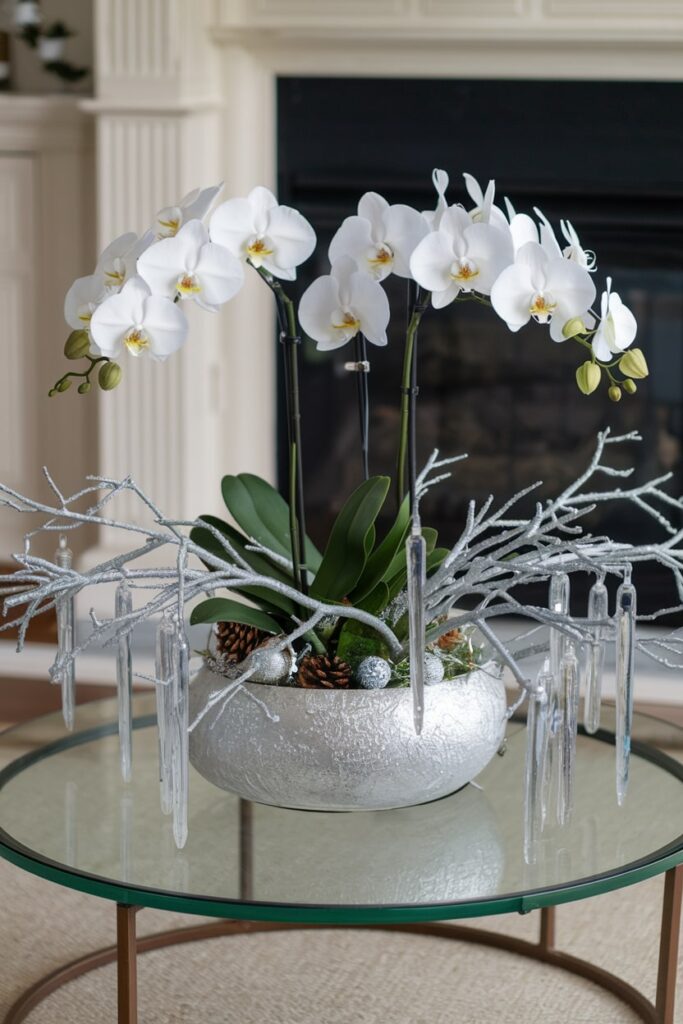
[(325, 977)]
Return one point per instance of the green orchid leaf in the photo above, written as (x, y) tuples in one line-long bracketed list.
[(376, 601), (431, 536), (351, 540), (381, 558), (222, 609), (262, 513), (268, 599)]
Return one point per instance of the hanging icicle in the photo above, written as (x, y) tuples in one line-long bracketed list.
[(569, 703), (558, 602), (124, 683), (164, 702), (537, 728), (625, 669), (595, 657), (416, 555), (65, 637), (180, 737)]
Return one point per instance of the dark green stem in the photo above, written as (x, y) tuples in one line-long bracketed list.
[(291, 341), (408, 396)]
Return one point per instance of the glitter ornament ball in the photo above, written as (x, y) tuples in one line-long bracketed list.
[(434, 670), (373, 673), (271, 666)]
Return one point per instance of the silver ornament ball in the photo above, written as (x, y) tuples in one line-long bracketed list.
[(270, 666), (373, 673), (434, 670)]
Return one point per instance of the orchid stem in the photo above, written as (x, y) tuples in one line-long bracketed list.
[(290, 341), (363, 401), (408, 403)]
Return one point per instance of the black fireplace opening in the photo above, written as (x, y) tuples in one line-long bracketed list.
[(606, 156)]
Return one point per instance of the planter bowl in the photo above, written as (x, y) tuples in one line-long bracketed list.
[(337, 750)]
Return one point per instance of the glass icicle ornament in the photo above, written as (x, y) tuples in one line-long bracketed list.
[(124, 683), (64, 605), (595, 657), (180, 685), (625, 624), (558, 602), (416, 555), (569, 701), (164, 702), (536, 756)]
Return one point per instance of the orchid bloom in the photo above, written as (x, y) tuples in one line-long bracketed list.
[(617, 328), (522, 228), (265, 234), (548, 288), (82, 299), (381, 238), (440, 181), (194, 206), (119, 260), (192, 267), (337, 306), (460, 256), (138, 321)]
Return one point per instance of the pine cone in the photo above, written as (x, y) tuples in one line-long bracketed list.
[(447, 641), (235, 641), (320, 672)]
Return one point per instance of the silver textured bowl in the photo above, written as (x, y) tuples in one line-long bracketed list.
[(336, 750)]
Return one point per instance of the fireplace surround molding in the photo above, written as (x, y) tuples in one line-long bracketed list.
[(186, 94)]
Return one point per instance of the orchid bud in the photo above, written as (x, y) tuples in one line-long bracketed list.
[(634, 364), (84, 388), (77, 345), (615, 393), (573, 327), (109, 376), (588, 377), (629, 386), (63, 385)]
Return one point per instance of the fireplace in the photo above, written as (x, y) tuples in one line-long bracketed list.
[(601, 154)]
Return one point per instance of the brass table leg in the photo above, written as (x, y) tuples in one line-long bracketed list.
[(547, 937), (668, 944), (126, 963)]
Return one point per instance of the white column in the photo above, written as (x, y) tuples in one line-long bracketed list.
[(177, 427)]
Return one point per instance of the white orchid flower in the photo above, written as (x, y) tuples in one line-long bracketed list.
[(617, 328), (257, 229), (136, 320), (484, 211), (440, 181), (337, 306), (460, 256), (192, 267), (573, 251), (194, 206), (82, 299), (522, 227), (119, 260), (381, 238), (548, 288)]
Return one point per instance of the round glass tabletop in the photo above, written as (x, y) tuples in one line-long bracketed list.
[(65, 814)]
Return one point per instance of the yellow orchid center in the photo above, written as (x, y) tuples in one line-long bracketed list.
[(258, 250), (349, 322), (136, 341), (464, 271), (542, 308), (382, 256), (115, 277), (188, 285), (170, 226)]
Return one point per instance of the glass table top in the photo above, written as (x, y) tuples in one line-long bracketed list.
[(65, 814)]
